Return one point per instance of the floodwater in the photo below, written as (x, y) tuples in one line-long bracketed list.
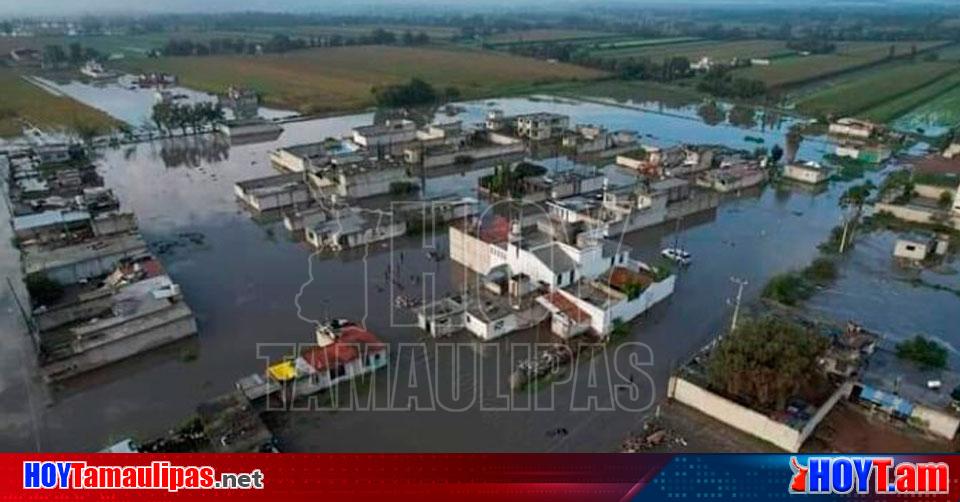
[(123, 100), (242, 280), (896, 300)]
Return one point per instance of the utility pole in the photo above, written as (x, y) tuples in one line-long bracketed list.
[(741, 283), (843, 238)]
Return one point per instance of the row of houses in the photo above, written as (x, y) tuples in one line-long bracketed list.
[(96, 293), (544, 270)]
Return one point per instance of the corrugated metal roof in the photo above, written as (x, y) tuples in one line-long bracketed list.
[(887, 400), (48, 218)]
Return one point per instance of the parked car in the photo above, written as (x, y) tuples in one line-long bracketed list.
[(677, 255)]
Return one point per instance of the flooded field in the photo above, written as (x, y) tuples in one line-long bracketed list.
[(126, 101), (243, 281), (895, 300)]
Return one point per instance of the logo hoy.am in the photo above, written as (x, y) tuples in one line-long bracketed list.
[(880, 475)]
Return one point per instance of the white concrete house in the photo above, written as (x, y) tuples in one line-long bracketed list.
[(273, 192), (914, 247), (853, 127), (621, 294), (806, 172), (391, 132)]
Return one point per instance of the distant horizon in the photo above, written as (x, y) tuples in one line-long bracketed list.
[(73, 8)]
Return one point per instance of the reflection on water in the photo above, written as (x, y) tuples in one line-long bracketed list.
[(194, 151), (242, 280)]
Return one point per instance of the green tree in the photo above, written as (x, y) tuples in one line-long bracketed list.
[(766, 361), (926, 353)]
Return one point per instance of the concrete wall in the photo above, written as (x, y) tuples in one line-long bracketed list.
[(163, 332), (932, 191), (631, 162), (287, 162), (908, 213), (938, 422), (481, 153), (91, 305), (370, 183), (490, 329), (754, 423), (469, 251), (803, 174), (736, 416)]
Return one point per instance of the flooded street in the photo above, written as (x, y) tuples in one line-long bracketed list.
[(242, 279)]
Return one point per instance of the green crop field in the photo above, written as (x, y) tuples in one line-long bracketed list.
[(721, 51), (341, 78), (23, 101), (883, 96), (848, 56), (935, 116)]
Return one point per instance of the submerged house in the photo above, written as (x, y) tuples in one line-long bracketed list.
[(344, 351), (583, 282), (353, 227), (806, 172)]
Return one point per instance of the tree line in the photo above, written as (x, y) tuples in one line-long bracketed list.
[(416, 92), (279, 43), (169, 116)]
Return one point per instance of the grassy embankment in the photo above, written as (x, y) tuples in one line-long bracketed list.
[(341, 78)]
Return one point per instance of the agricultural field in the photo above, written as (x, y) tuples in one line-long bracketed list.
[(23, 101), (848, 56), (720, 51), (355, 30), (341, 78), (934, 117), (884, 95), (639, 42), (545, 35)]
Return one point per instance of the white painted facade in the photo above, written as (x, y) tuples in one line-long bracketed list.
[(619, 306), (806, 172), (912, 249), (392, 132)]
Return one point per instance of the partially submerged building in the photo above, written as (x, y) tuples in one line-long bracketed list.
[(557, 267), (854, 128), (274, 192), (541, 126), (806, 172), (733, 177), (116, 321), (344, 351), (353, 227)]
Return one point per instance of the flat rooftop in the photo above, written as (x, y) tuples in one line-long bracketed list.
[(37, 258)]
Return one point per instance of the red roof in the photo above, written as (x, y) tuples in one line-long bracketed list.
[(353, 341), (568, 307)]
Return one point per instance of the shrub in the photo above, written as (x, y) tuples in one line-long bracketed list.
[(789, 289), (924, 352)]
